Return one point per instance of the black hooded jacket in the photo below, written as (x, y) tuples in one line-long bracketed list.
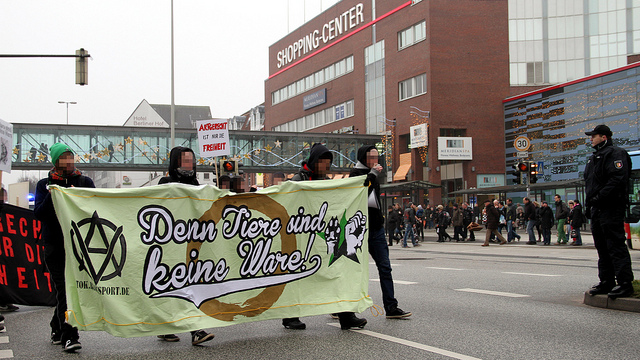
[(174, 164), (317, 152), (376, 220), (51, 231)]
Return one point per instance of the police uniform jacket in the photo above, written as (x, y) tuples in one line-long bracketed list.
[(606, 179)]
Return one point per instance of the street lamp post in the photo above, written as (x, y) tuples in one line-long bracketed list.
[(67, 102)]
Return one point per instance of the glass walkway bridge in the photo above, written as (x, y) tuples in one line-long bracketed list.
[(147, 149)]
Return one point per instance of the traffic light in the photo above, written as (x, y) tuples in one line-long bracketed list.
[(533, 173), (82, 67), (518, 171), (229, 166)]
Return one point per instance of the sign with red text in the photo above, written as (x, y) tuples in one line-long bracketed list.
[(24, 278), (213, 137)]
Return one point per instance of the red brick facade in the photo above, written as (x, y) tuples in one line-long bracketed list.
[(465, 58)]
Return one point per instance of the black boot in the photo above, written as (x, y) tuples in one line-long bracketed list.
[(349, 320), (622, 290), (601, 288), (293, 323)]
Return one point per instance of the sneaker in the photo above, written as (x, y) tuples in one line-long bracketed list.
[(8, 307), (169, 337), (397, 313), (56, 337), (200, 336), (334, 316), (72, 345)]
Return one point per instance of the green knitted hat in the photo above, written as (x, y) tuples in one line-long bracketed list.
[(58, 149)]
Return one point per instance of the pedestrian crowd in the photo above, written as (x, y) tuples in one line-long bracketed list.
[(536, 219)]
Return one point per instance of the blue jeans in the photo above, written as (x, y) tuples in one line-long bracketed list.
[(546, 235), (578, 236), (530, 225), (511, 231), (408, 229), (380, 253)]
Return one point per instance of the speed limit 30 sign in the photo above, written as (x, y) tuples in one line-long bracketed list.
[(522, 143)]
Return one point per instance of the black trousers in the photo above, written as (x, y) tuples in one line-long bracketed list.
[(54, 258), (614, 262)]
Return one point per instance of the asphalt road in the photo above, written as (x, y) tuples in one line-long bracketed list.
[(499, 302)]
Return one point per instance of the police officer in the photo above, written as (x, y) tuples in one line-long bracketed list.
[(606, 185)]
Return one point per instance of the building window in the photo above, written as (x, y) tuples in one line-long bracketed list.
[(320, 118), (314, 80), (412, 35), (535, 73), (412, 87)]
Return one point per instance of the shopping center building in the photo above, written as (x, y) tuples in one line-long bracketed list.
[(429, 72)]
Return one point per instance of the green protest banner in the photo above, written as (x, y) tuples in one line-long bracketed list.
[(175, 258)]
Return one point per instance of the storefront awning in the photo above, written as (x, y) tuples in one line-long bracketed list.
[(408, 186), (519, 188), (401, 173)]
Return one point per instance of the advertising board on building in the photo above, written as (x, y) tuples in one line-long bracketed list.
[(455, 148), (419, 136), (489, 180), (314, 99)]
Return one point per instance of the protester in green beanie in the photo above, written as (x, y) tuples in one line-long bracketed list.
[(58, 149)]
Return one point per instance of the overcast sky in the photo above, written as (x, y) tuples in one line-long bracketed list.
[(221, 55)]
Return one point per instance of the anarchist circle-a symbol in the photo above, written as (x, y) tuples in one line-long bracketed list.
[(87, 255)]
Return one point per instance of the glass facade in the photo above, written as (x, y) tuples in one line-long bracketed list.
[(556, 41), (555, 120), (126, 148), (374, 88)]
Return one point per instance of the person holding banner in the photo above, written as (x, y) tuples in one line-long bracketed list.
[(378, 248), (64, 174), (317, 167), (182, 169)]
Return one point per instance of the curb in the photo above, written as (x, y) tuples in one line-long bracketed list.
[(603, 301)]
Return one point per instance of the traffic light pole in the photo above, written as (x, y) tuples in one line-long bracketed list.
[(81, 63)]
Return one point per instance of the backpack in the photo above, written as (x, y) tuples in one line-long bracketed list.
[(446, 219)]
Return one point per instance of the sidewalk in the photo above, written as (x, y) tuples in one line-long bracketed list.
[(587, 239)]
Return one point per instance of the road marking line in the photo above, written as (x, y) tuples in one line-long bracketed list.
[(392, 265), (443, 268), (529, 274), (412, 344), (489, 292), (401, 282), (4, 339), (6, 354)]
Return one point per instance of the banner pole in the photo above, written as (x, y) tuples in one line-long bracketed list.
[(215, 166)]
